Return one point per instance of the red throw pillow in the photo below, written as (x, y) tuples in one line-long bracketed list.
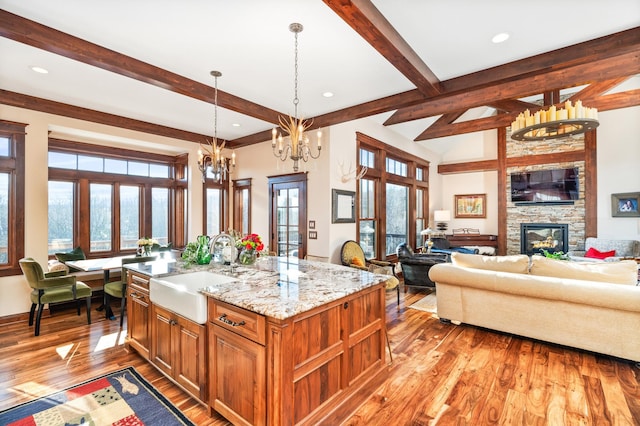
[(595, 254)]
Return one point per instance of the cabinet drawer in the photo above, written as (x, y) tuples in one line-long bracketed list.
[(139, 280), (241, 321)]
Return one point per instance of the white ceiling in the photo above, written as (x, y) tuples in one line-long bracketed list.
[(250, 43)]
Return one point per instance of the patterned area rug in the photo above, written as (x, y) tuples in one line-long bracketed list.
[(119, 398), (426, 304)]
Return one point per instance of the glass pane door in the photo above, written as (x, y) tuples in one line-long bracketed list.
[(288, 215), (397, 217), (287, 223)]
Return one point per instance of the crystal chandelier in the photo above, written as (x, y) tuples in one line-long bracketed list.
[(297, 146), (210, 158)]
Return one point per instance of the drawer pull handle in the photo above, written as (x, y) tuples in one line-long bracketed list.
[(135, 295), (226, 320), (173, 322)]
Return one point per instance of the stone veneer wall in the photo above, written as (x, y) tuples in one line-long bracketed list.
[(573, 215)]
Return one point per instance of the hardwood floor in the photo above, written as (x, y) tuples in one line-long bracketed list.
[(441, 373)]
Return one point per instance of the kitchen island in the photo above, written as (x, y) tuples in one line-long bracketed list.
[(286, 342)]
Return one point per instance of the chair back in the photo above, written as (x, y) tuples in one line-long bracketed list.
[(351, 249), (32, 271), (404, 250)]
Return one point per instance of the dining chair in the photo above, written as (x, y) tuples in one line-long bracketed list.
[(52, 287), (119, 288)]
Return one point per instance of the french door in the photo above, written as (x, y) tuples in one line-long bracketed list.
[(288, 215)]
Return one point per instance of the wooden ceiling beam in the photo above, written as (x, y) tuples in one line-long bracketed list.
[(511, 105), (596, 89), (366, 20), (20, 100), (363, 110), (469, 126), (604, 69), (25, 31), (626, 99)]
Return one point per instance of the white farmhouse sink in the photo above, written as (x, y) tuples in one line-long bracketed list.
[(179, 293)]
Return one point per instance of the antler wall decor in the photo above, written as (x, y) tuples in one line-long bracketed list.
[(352, 173)]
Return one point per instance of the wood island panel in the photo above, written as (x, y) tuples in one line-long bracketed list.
[(317, 366)]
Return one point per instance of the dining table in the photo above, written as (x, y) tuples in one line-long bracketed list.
[(106, 264)]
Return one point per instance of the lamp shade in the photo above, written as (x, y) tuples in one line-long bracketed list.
[(427, 231), (442, 215)]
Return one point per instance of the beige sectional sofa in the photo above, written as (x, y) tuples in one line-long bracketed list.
[(592, 306)]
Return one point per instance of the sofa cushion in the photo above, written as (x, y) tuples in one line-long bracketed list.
[(518, 263), (597, 254), (623, 272), (56, 266)]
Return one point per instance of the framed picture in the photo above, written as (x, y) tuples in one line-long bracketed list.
[(625, 205), (343, 206), (471, 206)]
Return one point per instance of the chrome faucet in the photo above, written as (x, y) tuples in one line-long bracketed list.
[(228, 253)]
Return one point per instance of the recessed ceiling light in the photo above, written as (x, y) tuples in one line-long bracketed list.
[(499, 38), (236, 124), (328, 94), (40, 70)]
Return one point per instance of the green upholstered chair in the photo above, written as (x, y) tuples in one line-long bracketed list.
[(52, 287), (119, 288)]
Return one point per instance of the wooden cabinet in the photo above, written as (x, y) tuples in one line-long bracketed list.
[(178, 348), (237, 371), (459, 240), (138, 311), (305, 369), (172, 343)]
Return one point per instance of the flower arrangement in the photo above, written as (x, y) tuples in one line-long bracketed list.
[(251, 242), (146, 243)]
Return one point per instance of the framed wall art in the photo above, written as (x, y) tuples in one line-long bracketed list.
[(625, 205), (471, 206), (343, 206)]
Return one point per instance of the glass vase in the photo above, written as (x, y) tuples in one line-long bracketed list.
[(203, 255), (248, 257)]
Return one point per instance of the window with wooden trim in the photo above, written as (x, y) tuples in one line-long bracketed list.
[(12, 196), (105, 199), (242, 206), (215, 207), (393, 197)]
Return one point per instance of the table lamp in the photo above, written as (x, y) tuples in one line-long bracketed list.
[(441, 217)]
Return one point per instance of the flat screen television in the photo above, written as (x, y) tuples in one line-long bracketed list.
[(545, 186)]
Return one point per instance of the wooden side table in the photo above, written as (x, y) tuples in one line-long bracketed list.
[(459, 240)]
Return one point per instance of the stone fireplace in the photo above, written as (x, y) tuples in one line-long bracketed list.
[(573, 215), (552, 237)]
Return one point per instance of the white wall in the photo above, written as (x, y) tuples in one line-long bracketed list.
[(472, 147), (343, 142), (259, 163), (618, 169)]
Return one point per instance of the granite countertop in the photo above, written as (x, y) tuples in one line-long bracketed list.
[(277, 287)]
